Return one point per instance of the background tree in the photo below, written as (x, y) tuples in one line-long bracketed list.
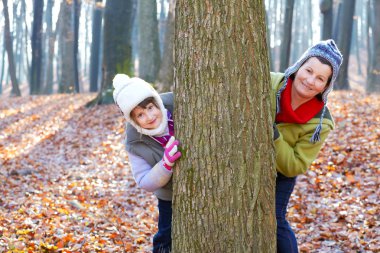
[(37, 53), (76, 15), (50, 37), (165, 75), (343, 39), (373, 82), (326, 7), (9, 47), (66, 49), (287, 35), (149, 49), (117, 49), (95, 45), (224, 184)]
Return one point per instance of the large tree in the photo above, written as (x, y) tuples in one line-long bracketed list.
[(224, 183)]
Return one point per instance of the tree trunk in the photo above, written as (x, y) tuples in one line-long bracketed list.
[(326, 7), (49, 38), (224, 183), (373, 83), (149, 50), (66, 41), (2, 63), (37, 53), (286, 36), (117, 49), (76, 16), (95, 45), (165, 75), (9, 47), (344, 42)]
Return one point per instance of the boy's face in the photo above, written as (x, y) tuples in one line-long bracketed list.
[(149, 117)]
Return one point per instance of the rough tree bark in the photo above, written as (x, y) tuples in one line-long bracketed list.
[(224, 183)]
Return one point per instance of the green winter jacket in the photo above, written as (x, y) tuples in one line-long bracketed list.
[(294, 151)]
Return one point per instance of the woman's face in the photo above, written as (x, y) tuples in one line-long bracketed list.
[(311, 79), (149, 117)]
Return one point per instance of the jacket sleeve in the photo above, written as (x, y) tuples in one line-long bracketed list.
[(295, 160), (147, 177)]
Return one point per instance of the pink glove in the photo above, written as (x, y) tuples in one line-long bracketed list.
[(171, 153)]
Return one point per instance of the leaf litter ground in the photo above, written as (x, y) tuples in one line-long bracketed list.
[(66, 184)]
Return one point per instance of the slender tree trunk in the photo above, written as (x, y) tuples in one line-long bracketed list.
[(76, 15), (224, 183), (373, 83), (37, 53), (66, 41), (2, 63), (49, 38), (117, 49), (9, 47), (344, 42), (165, 75), (149, 51), (326, 7), (26, 39), (95, 46), (287, 36)]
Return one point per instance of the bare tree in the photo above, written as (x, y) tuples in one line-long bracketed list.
[(37, 53), (117, 49), (9, 47), (326, 7), (95, 45), (373, 82), (287, 35), (344, 36), (149, 50), (165, 75)]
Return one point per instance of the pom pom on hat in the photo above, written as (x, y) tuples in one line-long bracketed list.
[(129, 92)]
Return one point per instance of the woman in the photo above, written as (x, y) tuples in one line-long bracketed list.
[(151, 146), (302, 123)]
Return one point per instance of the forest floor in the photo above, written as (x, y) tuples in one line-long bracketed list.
[(66, 184)]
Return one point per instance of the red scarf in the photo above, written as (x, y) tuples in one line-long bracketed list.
[(302, 114)]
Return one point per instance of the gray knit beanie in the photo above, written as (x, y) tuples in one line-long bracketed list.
[(328, 50)]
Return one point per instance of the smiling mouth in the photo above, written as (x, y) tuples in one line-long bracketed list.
[(307, 86)]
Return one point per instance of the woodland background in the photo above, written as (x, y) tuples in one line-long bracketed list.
[(66, 184)]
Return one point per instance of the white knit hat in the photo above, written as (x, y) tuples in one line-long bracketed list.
[(129, 92)]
